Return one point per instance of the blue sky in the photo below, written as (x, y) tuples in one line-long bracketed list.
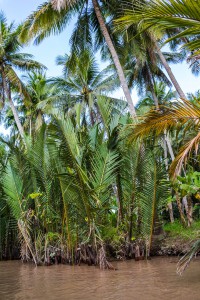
[(47, 51)]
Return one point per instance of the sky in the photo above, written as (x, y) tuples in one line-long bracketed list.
[(46, 52)]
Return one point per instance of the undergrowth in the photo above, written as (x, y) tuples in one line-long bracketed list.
[(177, 230)]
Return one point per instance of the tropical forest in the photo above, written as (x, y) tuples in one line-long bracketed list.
[(100, 165)]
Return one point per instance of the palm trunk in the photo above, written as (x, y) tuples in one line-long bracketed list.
[(16, 117), (169, 205), (169, 146), (115, 57), (187, 204), (170, 73), (120, 199), (7, 91), (152, 221), (155, 99), (190, 211), (176, 193), (151, 87), (178, 201)]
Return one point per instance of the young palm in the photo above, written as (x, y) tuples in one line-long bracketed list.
[(11, 59), (53, 16), (178, 115)]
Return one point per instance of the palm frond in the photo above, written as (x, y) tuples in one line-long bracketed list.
[(44, 22), (161, 15), (186, 259), (156, 122), (183, 154), (12, 185)]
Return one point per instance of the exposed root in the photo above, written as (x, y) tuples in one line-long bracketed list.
[(103, 262)]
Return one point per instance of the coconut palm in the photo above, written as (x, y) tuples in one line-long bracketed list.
[(11, 59), (83, 84), (41, 93), (143, 75), (132, 17), (141, 64), (53, 16), (164, 97)]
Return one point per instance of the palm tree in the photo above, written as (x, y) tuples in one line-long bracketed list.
[(41, 92), (53, 16), (61, 184), (158, 122), (141, 63), (143, 74), (83, 85), (10, 60), (134, 16), (164, 97), (145, 105)]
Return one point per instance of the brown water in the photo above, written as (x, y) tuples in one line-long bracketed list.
[(155, 279)]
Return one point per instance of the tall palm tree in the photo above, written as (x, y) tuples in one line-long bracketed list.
[(53, 16), (134, 16), (164, 97), (12, 59), (141, 63), (144, 74)]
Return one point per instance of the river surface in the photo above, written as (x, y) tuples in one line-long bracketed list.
[(143, 280)]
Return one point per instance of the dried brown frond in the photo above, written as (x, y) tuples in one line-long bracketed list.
[(181, 114)]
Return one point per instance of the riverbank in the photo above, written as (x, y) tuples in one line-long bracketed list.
[(175, 239)]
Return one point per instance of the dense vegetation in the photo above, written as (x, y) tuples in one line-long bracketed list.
[(86, 176)]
